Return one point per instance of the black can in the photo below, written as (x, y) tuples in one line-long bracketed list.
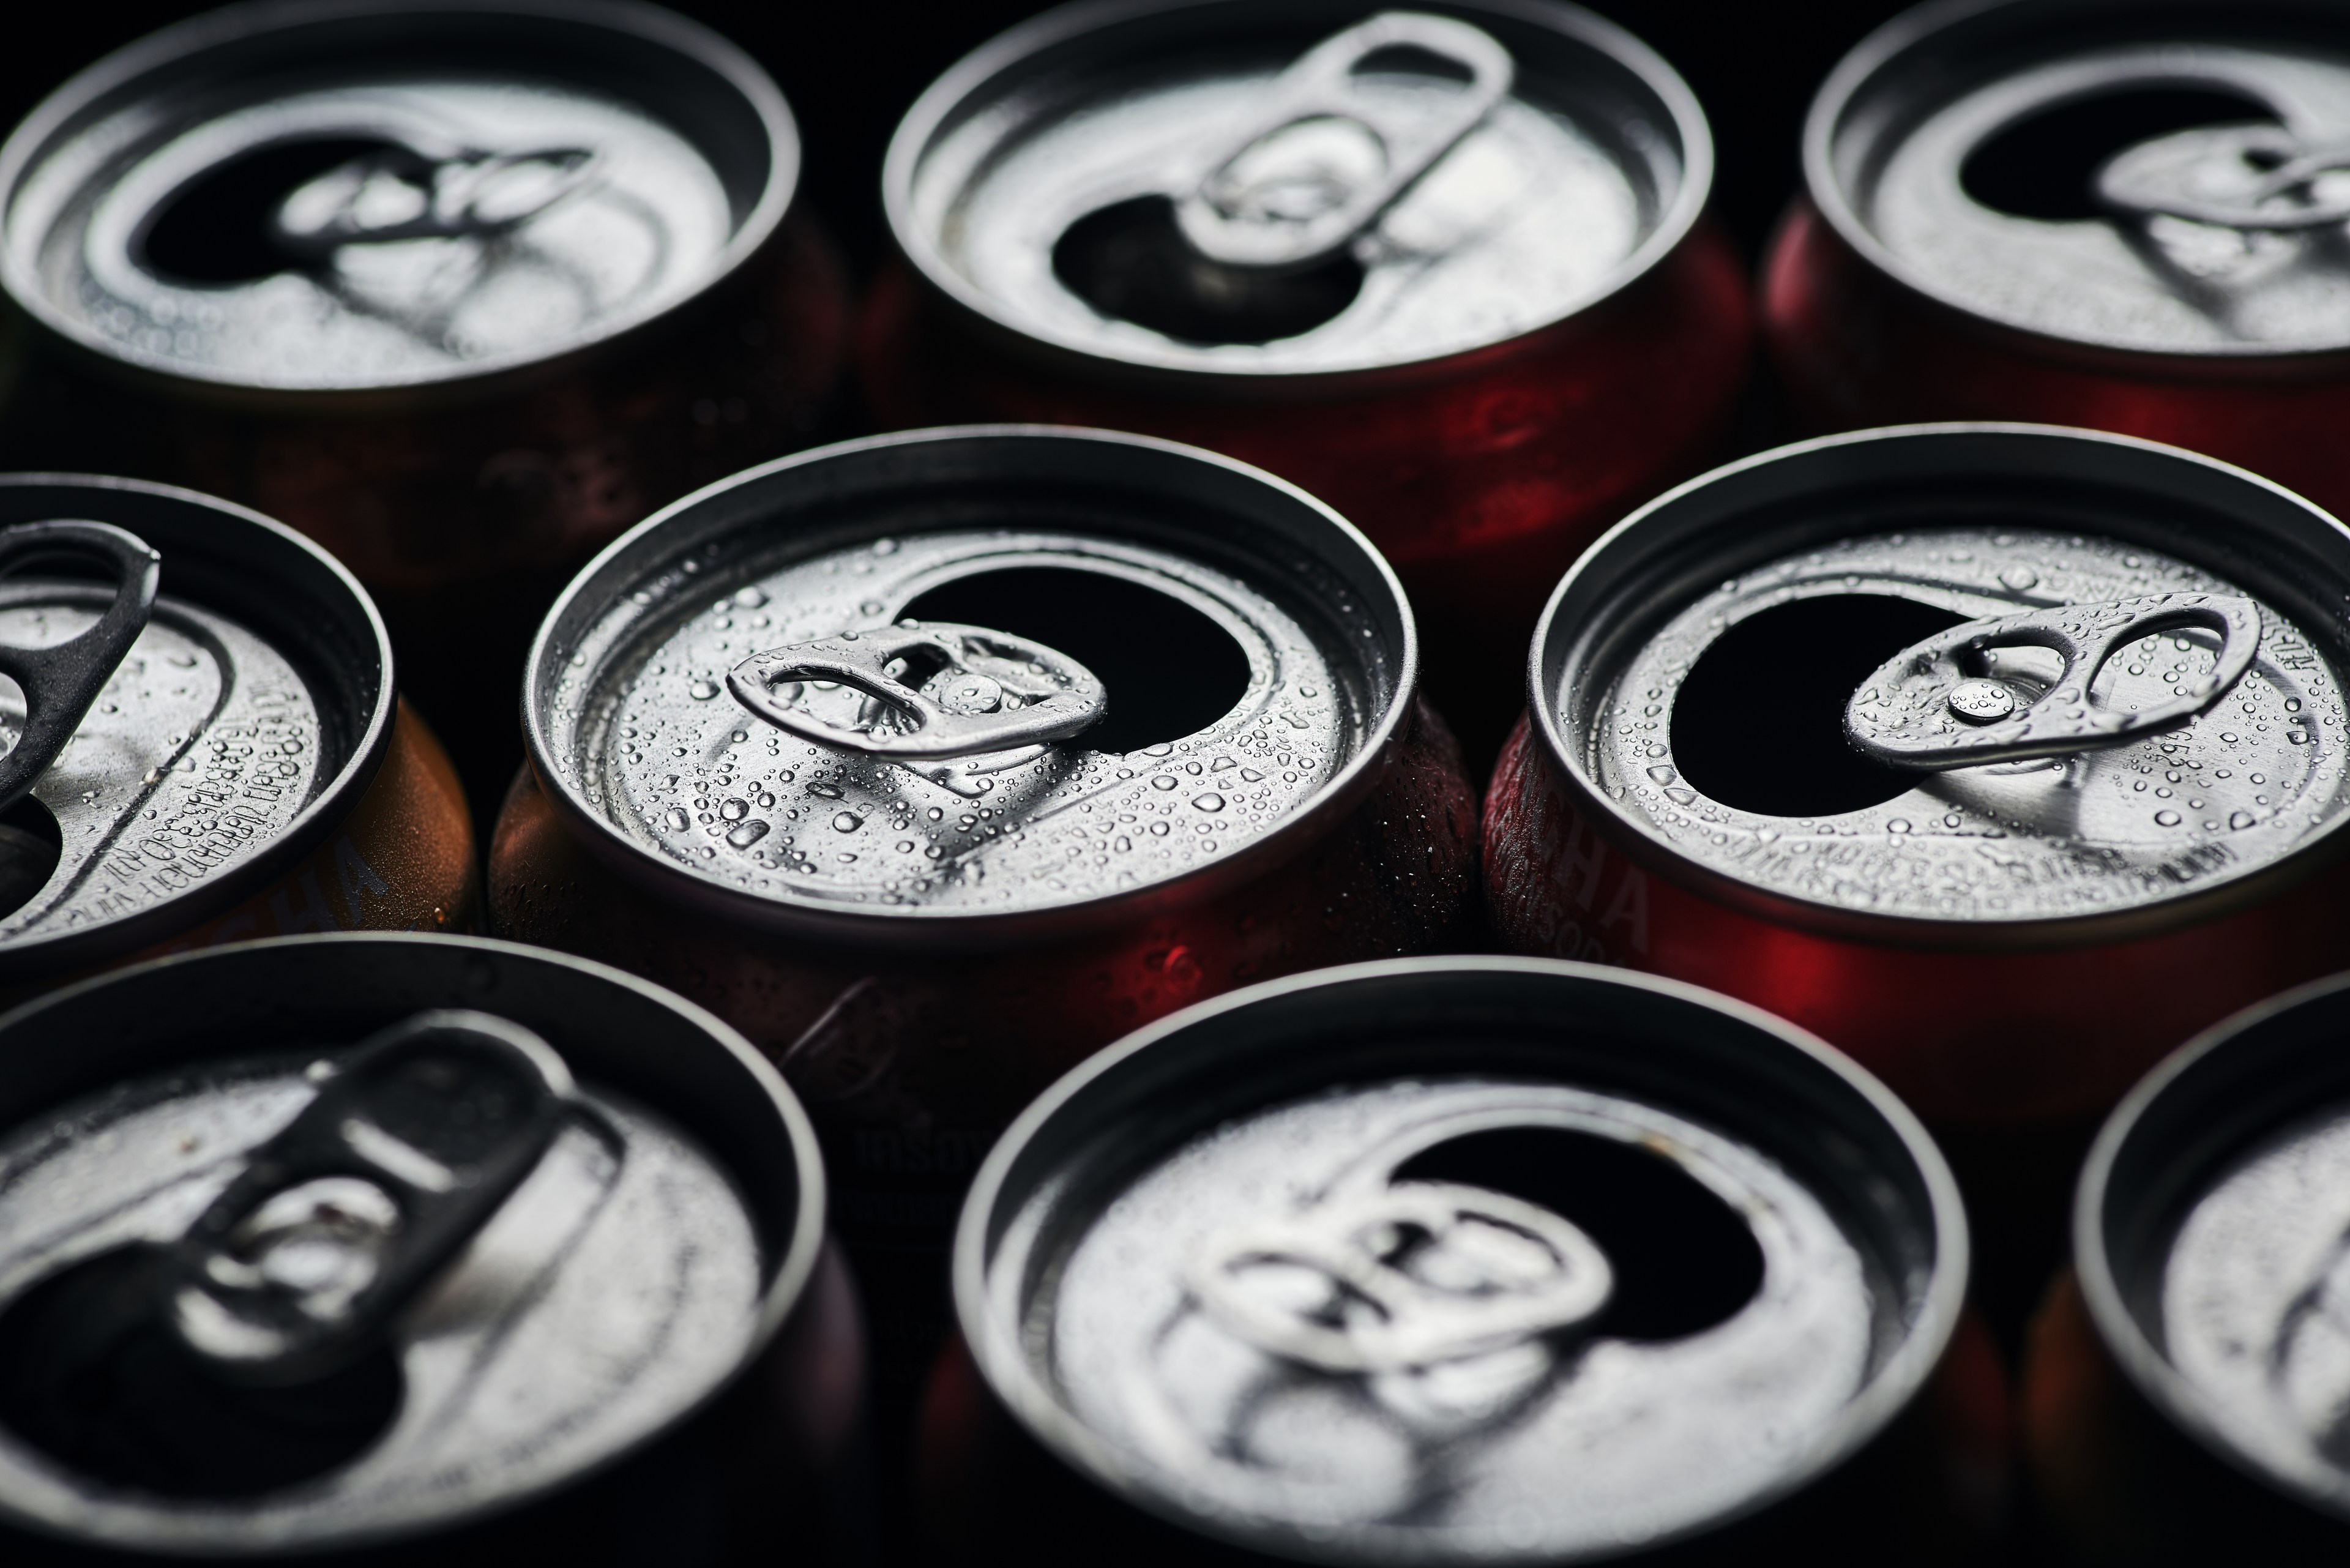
[(2185, 1399), (421, 1249), (1461, 1260)]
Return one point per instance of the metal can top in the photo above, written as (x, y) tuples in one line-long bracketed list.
[(172, 750), (2210, 1232), (1240, 188), (974, 683), (355, 194), (1460, 1259), (2172, 178), (370, 1236), (1980, 684)]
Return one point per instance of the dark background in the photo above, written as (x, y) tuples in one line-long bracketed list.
[(851, 67)]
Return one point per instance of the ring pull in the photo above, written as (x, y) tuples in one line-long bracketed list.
[(410, 193), (1285, 222), (935, 689), (1935, 705), (2256, 177), (61, 681)]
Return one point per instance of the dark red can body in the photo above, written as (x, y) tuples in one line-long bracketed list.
[(1865, 328), (1481, 472)]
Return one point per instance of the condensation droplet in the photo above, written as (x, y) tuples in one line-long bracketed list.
[(747, 834), (702, 690)]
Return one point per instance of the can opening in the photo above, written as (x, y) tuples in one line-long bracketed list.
[(1683, 1260), (31, 844), (215, 231), (1758, 723), (1169, 672), (2045, 165), (1130, 260), (90, 1375)]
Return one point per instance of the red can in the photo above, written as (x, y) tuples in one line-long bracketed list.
[(2098, 212), (935, 763), (1444, 268), (459, 291), (2002, 757)]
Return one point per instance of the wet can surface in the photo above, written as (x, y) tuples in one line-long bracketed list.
[(2184, 1401), (1443, 267), (460, 292), (1461, 1260), (2002, 757), (935, 763), (2121, 215), (206, 742), (430, 1248)]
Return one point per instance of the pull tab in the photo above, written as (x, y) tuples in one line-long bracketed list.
[(61, 681), (404, 193), (339, 1221), (936, 689), (2251, 177), (1935, 705), (1242, 217)]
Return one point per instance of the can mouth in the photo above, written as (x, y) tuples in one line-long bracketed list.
[(1698, 674), (1431, 1111), (2150, 180), (356, 197), (969, 686), (1343, 233), (2208, 1229)]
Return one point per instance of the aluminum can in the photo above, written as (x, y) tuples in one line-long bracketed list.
[(2183, 1403), (459, 291), (2004, 757), (207, 745), (439, 1248), (2099, 212), (1462, 1262), (1482, 345), (825, 749)]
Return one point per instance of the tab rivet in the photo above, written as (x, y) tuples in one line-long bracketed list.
[(1981, 702)]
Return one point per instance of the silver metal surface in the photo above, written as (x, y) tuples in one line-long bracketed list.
[(2220, 239), (1264, 1319), (1927, 707), (837, 821), (503, 186), (992, 693), (1982, 523), (1569, 164)]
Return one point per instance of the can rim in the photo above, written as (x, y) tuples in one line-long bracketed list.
[(924, 927), (1882, 47), (650, 24), (1551, 644), (2151, 1373), (1896, 1382), (782, 1296), (938, 101), (371, 742)]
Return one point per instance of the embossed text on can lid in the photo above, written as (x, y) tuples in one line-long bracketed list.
[(354, 194), (1314, 186), (222, 740), (1416, 1261), (969, 682), (1961, 683), (585, 1203), (2172, 178), (2211, 1230)]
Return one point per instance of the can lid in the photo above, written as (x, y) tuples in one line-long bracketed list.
[(2213, 1236), (1315, 186), (1460, 1259), (359, 195), (366, 1237), (188, 719), (2170, 178), (1957, 682), (969, 685)]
